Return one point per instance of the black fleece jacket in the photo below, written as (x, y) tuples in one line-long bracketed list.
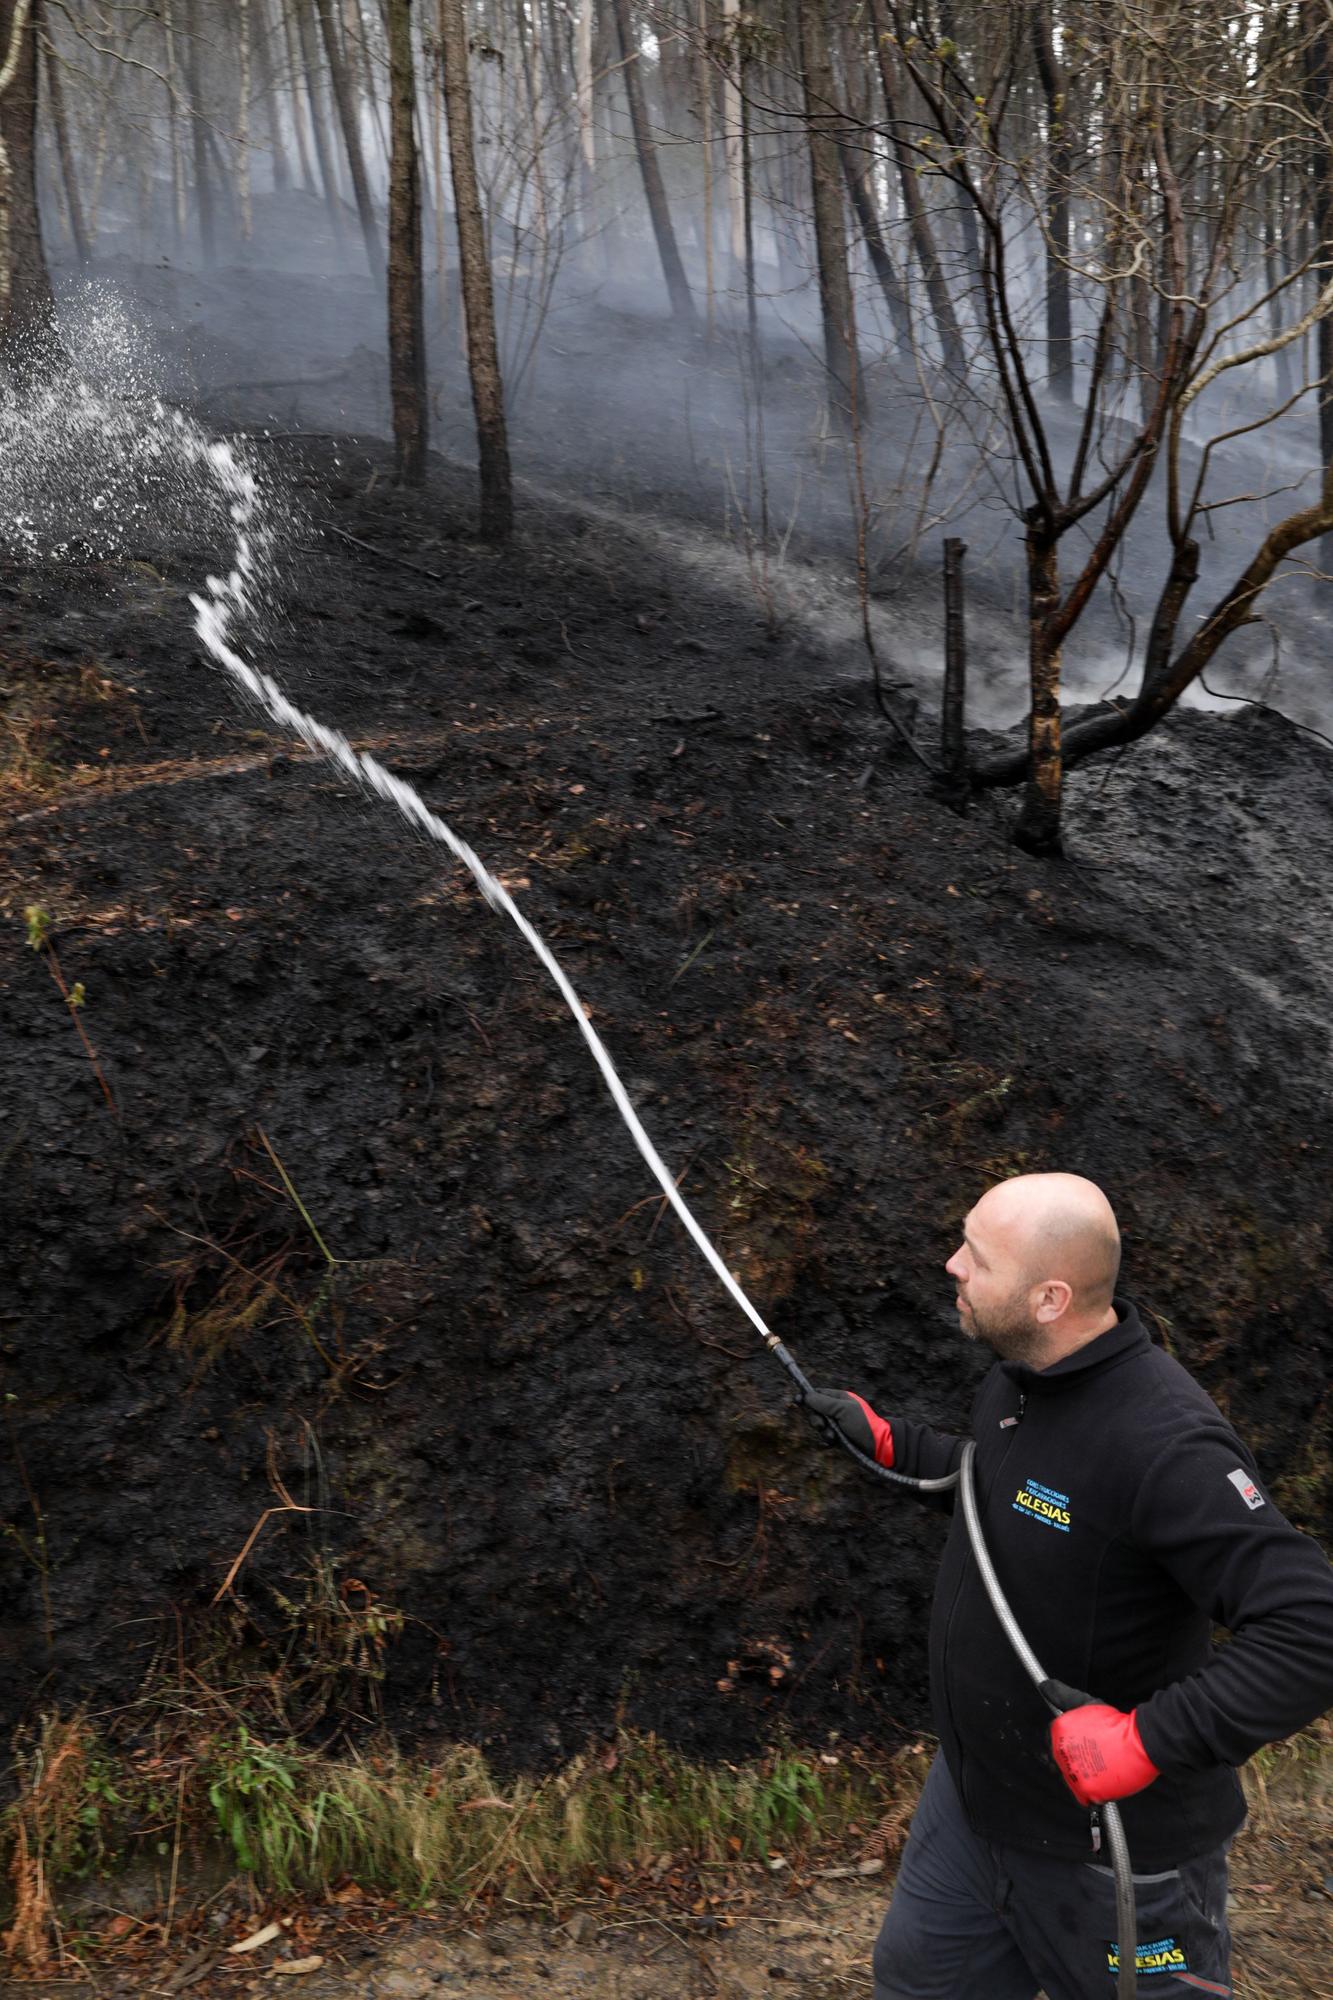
[(1124, 1517)]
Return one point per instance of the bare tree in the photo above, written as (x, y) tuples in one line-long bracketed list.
[(497, 493), (340, 84), (922, 232), (673, 270), (1170, 65)]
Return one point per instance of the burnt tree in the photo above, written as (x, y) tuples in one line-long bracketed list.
[(483, 358)]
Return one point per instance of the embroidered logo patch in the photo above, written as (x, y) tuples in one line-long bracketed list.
[(1043, 1503), (1161, 1955), (1246, 1488)]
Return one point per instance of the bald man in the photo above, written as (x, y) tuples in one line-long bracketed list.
[(1124, 1518)]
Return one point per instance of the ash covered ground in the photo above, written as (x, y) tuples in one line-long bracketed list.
[(556, 1487)]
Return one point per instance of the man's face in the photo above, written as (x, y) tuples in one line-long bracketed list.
[(992, 1292)]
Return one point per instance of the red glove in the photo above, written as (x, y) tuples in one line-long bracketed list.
[(1101, 1754), (859, 1424)]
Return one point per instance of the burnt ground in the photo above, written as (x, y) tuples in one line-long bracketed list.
[(525, 1416)]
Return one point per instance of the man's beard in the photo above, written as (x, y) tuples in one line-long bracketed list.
[(1007, 1331)]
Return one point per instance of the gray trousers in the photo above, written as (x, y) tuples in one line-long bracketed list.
[(970, 1921)]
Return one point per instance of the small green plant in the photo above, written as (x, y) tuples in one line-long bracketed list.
[(254, 1793), (786, 1802), (38, 925)]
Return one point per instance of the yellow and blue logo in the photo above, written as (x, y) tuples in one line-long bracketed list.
[(1160, 1956), (1043, 1503)]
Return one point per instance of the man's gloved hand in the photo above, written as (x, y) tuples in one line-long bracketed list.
[(1100, 1754), (859, 1424)]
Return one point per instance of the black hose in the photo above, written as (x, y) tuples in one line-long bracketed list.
[(1058, 1697)]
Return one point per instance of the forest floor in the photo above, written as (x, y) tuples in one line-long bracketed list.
[(555, 1487), (804, 1939)]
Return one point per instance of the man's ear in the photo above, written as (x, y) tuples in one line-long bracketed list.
[(1053, 1300)]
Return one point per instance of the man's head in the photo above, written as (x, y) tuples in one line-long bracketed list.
[(1037, 1266)]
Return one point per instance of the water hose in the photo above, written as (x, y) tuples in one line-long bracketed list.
[(1058, 1697)]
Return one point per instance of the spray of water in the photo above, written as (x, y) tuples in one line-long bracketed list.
[(82, 471), (228, 599)]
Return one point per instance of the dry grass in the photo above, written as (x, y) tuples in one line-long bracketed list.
[(1282, 1914), (43, 1823), (37, 699), (617, 1822), (446, 1830)]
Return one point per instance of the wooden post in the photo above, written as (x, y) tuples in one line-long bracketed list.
[(953, 742)]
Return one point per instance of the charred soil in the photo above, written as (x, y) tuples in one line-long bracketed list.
[(364, 1236)]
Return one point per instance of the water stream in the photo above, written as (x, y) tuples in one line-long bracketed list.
[(85, 471)]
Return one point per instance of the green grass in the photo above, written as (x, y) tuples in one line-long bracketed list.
[(443, 1830), (448, 1830)]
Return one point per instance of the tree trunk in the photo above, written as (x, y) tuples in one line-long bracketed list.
[(268, 89), (318, 123), (243, 124), (69, 175), (673, 271), (407, 330), (1319, 97), (732, 31), (203, 185), (583, 101), (841, 360), (342, 97), (863, 202), (967, 219), (527, 28), (178, 213), (705, 82), (497, 495), (953, 720), (1272, 241), (27, 307), (747, 240), (923, 236), (1059, 162), (305, 160), (1038, 827)]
